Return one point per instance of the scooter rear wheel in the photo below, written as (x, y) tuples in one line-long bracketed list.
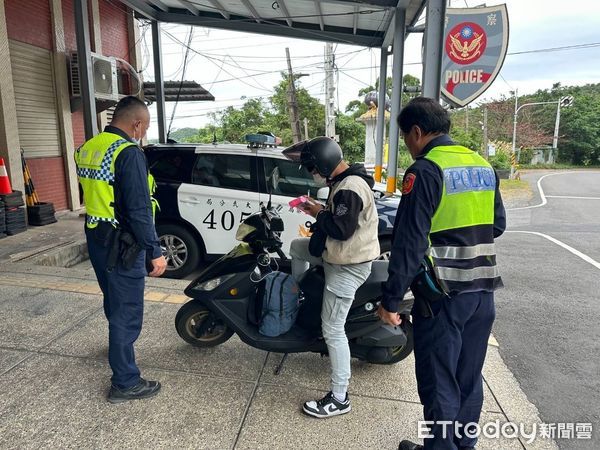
[(397, 354), (199, 327)]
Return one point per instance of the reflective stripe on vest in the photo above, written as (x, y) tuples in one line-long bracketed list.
[(461, 239), (446, 252)]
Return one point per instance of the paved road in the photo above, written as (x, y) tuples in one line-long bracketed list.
[(548, 316)]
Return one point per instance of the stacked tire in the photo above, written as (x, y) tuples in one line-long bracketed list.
[(2, 221), (14, 213), (41, 214)]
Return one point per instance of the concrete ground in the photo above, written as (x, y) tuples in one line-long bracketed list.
[(54, 377)]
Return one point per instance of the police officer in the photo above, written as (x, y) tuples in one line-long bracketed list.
[(117, 190), (449, 215)]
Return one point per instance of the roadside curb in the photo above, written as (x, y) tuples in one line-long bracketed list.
[(69, 280)]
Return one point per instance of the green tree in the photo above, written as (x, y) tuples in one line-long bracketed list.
[(579, 135), (236, 123), (352, 137), (309, 107), (181, 134)]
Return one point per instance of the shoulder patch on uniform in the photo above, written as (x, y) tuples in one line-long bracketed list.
[(408, 182)]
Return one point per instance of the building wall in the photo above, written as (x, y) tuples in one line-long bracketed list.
[(115, 39), (49, 179), (30, 21)]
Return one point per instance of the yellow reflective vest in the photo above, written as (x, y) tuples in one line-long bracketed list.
[(96, 171), (461, 240)]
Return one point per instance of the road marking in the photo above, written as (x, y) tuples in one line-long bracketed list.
[(576, 198), (542, 195), (492, 341), (583, 256)]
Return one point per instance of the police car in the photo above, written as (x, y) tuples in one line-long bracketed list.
[(206, 190)]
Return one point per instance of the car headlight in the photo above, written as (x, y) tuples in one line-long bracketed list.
[(244, 230), (214, 283)]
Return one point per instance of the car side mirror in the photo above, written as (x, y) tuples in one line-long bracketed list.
[(323, 193)]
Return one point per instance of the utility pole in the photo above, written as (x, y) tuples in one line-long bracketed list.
[(306, 128), (292, 101), (514, 138), (329, 91), (485, 133)]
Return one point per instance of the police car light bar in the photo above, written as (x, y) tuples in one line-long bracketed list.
[(260, 139)]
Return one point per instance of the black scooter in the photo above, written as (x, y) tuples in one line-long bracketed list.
[(226, 299)]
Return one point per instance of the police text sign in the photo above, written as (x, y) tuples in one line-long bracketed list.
[(475, 44)]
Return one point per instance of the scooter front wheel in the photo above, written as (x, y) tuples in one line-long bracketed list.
[(198, 326)]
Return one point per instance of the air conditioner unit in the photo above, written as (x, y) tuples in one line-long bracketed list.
[(104, 71)]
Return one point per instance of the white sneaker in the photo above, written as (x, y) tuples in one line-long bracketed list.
[(328, 406)]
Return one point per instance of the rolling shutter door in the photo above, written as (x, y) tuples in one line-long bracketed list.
[(35, 99)]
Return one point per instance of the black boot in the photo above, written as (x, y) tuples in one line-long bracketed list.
[(144, 389), (409, 445)]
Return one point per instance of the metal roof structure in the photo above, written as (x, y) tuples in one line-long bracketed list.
[(187, 91), (367, 23)]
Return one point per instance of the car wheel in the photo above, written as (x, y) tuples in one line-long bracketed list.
[(179, 248), (385, 246)]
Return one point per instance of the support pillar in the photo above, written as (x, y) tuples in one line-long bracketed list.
[(61, 81), (381, 114), (398, 60), (158, 81), (86, 79), (101, 117), (433, 51)]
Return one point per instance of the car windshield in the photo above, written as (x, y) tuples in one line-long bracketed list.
[(294, 180)]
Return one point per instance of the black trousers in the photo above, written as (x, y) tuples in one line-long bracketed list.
[(450, 349), (123, 306)]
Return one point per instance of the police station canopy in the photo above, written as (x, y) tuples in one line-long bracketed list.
[(367, 23)]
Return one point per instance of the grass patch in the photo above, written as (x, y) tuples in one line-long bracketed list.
[(515, 190), (513, 185)]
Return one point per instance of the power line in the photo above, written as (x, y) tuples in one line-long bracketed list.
[(211, 60), (558, 49), (185, 62), (354, 78)]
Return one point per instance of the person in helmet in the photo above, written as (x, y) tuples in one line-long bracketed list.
[(344, 242)]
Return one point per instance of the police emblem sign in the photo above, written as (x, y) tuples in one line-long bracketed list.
[(475, 44)]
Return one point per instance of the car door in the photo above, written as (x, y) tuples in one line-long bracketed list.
[(224, 191), (171, 167), (294, 181)]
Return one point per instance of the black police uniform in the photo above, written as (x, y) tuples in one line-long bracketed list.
[(123, 289), (450, 346)]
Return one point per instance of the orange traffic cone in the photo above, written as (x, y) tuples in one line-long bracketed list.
[(4, 181)]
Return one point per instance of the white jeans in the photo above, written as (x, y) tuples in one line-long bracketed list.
[(341, 283)]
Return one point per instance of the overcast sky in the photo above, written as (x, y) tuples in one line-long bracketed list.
[(534, 25)]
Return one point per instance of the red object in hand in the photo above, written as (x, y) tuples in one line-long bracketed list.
[(298, 201)]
